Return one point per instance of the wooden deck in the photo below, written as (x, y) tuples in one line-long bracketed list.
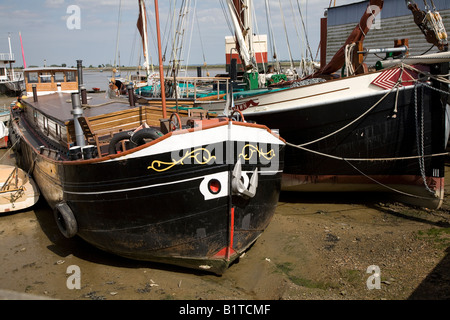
[(52, 115)]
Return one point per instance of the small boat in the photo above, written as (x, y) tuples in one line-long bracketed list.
[(17, 189), (4, 114), (3, 135)]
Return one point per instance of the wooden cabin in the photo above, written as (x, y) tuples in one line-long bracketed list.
[(50, 80), (51, 116)]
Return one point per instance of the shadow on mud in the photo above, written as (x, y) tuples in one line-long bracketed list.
[(436, 286)]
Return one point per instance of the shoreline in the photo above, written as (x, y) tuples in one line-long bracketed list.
[(318, 246)]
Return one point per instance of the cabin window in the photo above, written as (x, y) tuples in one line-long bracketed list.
[(59, 76), (58, 131), (46, 77), (45, 123), (2, 72), (32, 77), (71, 76)]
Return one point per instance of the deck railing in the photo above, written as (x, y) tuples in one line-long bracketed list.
[(7, 56), (196, 87)]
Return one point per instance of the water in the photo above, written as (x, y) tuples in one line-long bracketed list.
[(97, 79)]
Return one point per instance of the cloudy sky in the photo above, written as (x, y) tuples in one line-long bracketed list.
[(53, 34)]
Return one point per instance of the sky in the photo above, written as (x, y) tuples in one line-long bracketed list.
[(63, 31)]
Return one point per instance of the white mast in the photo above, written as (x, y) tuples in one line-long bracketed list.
[(11, 58)]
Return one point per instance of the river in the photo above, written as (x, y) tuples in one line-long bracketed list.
[(100, 79)]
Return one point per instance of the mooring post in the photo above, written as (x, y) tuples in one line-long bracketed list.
[(83, 95)]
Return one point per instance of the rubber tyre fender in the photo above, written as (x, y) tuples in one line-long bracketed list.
[(147, 133), (116, 139), (65, 220)]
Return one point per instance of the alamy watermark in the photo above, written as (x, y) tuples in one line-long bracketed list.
[(374, 281), (73, 22), (74, 280), (374, 21)]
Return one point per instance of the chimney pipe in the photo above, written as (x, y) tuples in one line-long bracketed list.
[(77, 112), (80, 73), (35, 97)]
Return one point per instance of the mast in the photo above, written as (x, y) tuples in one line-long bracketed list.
[(11, 59), (161, 67), (23, 54), (117, 40), (358, 34)]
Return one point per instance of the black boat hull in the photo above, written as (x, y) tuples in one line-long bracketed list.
[(398, 146), (154, 204)]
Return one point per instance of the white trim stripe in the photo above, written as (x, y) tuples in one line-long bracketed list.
[(155, 185)]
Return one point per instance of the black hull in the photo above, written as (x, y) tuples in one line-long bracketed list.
[(170, 221), (11, 89), (124, 207), (405, 138)]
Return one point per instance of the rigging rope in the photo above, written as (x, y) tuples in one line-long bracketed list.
[(305, 31), (287, 38)]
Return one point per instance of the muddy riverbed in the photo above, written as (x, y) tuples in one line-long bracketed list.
[(317, 247)]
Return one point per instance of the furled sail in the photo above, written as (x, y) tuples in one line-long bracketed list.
[(142, 27)]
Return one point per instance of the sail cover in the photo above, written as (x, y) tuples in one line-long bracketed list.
[(142, 24)]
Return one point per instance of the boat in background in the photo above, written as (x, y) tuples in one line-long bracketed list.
[(365, 130), (17, 189), (11, 82)]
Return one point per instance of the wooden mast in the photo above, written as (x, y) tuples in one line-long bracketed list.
[(161, 67)]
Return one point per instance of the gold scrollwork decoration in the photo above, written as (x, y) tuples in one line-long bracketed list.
[(249, 150), (161, 166)]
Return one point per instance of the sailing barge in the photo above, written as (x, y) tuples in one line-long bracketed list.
[(189, 191), (379, 130)]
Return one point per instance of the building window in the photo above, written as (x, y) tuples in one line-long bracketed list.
[(71, 77), (32, 77), (46, 77), (59, 76)]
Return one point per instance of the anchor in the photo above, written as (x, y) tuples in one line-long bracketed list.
[(238, 182)]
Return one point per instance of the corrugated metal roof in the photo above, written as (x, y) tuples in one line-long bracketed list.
[(391, 27), (351, 13)]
